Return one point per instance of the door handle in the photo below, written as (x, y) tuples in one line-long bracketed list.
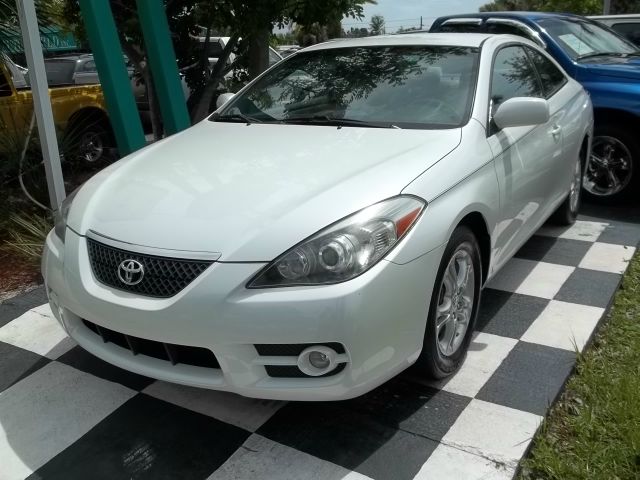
[(556, 130)]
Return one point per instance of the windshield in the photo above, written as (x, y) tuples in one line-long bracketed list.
[(581, 39), (401, 87)]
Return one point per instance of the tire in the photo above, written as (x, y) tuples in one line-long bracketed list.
[(436, 361), (567, 212), (615, 151), (88, 138)]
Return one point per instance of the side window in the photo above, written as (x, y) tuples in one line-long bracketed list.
[(552, 78), (631, 31), (513, 75), (5, 87)]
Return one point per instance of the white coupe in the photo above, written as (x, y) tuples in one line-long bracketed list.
[(331, 224)]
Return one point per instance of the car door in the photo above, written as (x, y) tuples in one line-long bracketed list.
[(524, 156)]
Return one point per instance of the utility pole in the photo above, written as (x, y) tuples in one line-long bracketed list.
[(421, 22), (606, 9), (41, 101)]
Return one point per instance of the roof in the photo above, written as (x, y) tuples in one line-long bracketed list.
[(518, 15), (443, 39)]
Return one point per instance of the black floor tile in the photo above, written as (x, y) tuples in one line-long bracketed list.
[(530, 378), (508, 314), (560, 251), (589, 287), (411, 407), (147, 438), (79, 358), (16, 364), (14, 307), (621, 234), (349, 438)]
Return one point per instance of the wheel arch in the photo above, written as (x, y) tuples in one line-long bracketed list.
[(603, 115), (477, 223), (90, 113)]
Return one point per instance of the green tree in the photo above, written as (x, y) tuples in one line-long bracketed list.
[(377, 25), (582, 7)]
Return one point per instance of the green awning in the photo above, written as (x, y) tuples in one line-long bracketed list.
[(53, 40)]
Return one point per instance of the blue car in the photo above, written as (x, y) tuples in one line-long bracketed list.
[(607, 65)]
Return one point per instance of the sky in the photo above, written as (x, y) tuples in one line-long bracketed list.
[(406, 13)]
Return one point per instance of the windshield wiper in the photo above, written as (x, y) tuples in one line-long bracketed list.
[(339, 122), (608, 54), (237, 117)]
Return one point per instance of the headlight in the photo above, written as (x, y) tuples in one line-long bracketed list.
[(345, 249), (60, 216)]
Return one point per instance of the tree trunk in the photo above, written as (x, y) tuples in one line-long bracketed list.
[(202, 108), (259, 52), (154, 110)]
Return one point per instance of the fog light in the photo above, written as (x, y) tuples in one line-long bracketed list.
[(317, 360)]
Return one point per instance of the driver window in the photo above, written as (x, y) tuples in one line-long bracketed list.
[(513, 75), (5, 87)]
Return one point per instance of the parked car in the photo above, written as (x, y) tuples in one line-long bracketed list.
[(331, 224), (626, 25), (75, 69), (79, 113), (609, 68), (217, 44)]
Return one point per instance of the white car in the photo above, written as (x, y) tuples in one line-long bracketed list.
[(330, 225)]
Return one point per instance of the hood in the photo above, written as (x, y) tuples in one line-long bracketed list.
[(250, 192), (621, 67)]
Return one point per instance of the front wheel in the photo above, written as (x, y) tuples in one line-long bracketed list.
[(612, 171), (454, 306), (567, 212)]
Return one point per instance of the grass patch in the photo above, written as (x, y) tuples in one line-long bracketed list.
[(593, 432)]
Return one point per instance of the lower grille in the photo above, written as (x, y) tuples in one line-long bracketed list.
[(292, 349), (160, 277), (291, 371), (176, 354)]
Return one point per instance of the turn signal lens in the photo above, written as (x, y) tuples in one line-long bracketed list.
[(345, 249)]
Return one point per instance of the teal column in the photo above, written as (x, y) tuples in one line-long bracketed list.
[(107, 53), (162, 60)]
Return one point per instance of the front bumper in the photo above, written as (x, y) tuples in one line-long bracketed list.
[(378, 317)]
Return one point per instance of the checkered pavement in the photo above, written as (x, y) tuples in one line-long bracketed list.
[(66, 414)]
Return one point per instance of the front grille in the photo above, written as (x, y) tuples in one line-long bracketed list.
[(176, 354), (163, 276), (292, 371)]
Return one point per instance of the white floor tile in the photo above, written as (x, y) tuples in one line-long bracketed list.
[(607, 257), (493, 431), (545, 280), (246, 413), (262, 459), (581, 230), (448, 463), (486, 353), (37, 331), (49, 410), (564, 325)]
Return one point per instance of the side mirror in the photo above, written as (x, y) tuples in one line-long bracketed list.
[(521, 112), (224, 98)]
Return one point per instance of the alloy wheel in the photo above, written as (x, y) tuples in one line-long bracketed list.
[(455, 302), (610, 167), (91, 147)]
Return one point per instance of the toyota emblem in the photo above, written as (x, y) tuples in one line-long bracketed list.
[(130, 272)]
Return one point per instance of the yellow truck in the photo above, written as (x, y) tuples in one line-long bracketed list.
[(79, 114)]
